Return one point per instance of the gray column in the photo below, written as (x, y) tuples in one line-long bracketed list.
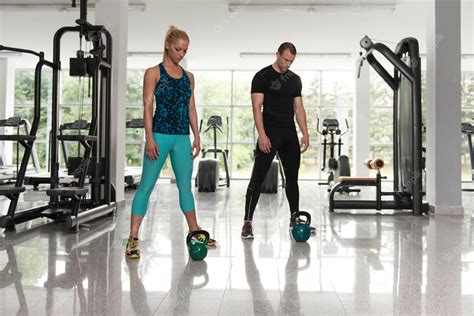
[(360, 120), (444, 107), (113, 14), (7, 98)]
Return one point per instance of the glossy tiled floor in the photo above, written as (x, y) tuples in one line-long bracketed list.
[(365, 265)]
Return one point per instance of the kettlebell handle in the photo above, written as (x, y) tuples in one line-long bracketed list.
[(301, 213), (306, 264), (196, 233), (203, 283)]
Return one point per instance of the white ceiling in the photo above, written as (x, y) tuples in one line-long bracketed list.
[(55, 5)]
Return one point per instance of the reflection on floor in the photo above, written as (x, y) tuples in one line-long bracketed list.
[(362, 265)]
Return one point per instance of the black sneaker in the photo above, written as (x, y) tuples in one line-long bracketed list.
[(247, 231), (298, 220)]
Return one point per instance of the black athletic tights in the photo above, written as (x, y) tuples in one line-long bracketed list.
[(285, 142)]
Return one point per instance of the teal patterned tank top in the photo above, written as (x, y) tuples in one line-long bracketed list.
[(172, 97)]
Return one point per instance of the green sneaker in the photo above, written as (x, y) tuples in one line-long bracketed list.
[(132, 251)]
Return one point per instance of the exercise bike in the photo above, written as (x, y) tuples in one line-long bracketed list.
[(336, 166), (208, 178)]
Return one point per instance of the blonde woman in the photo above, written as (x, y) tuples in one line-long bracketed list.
[(167, 133)]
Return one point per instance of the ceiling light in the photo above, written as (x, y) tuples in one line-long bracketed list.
[(9, 54), (313, 7), (463, 56), (299, 55), (144, 54)]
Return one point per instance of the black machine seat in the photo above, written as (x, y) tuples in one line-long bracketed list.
[(11, 190), (68, 192), (215, 120), (14, 121), (357, 181), (467, 128), (18, 138), (78, 138), (331, 123), (331, 126), (77, 124), (135, 123)]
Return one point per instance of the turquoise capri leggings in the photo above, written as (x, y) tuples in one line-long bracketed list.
[(179, 148)]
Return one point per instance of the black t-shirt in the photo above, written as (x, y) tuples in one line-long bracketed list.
[(279, 91)]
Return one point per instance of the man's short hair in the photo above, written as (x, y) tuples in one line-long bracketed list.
[(287, 45)]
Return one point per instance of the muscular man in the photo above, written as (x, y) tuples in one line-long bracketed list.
[(278, 90)]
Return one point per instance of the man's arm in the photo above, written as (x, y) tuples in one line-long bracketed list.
[(263, 141), (301, 120)]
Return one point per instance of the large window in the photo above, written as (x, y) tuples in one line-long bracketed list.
[(75, 104), (24, 98), (227, 93), (381, 119), (326, 94), (337, 100), (134, 138), (381, 122)]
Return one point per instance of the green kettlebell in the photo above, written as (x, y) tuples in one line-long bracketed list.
[(197, 244), (301, 230)]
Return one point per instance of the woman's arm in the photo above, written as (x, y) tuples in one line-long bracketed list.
[(149, 83), (193, 120)]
